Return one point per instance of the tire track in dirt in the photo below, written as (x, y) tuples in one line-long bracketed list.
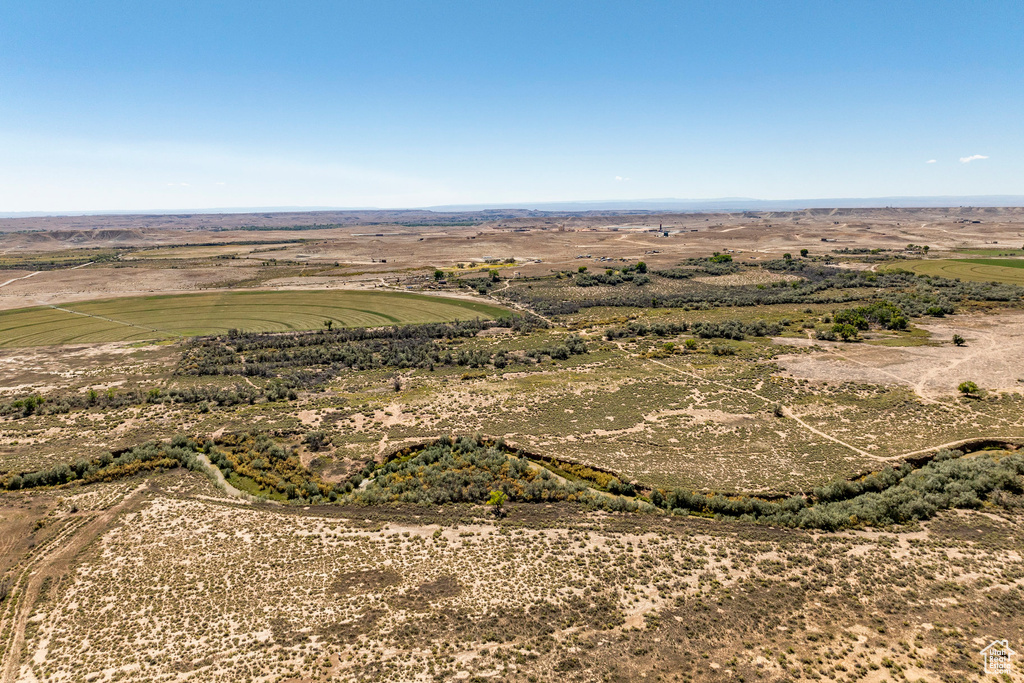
[(111, 320), (48, 566), (785, 409), (519, 306), (917, 387), (23, 277), (990, 348)]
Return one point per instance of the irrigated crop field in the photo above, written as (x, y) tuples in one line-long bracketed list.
[(161, 317), (1009, 270), (525, 450)]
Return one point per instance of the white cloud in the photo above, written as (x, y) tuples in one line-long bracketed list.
[(179, 185), (932, 161), (620, 178), (973, 157)]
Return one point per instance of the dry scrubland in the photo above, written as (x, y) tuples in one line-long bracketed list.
[(696, 374), (168, 593)]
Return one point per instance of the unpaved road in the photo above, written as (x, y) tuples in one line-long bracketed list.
[(51, 564), (785, 409), (993, 358), (23, 277)]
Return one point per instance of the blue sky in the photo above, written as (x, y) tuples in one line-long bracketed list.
[(160, 105)]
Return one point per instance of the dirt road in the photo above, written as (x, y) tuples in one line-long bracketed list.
[(52, 563)]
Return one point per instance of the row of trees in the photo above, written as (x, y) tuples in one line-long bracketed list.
[(312, 358), (473, 470), (111, 398), (728, 329)]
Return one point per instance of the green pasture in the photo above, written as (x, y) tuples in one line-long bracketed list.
[(1005, 251), (1006, 270), (186, 315)]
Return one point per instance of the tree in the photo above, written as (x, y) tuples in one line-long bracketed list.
[(582, 269), (316, 440), (495, 275), (690, 344), (958, 340), (328, 324), (845, 330), (968, 388), (788, 257), (438, 274), (803, 253), (497, 502), (641, 267)]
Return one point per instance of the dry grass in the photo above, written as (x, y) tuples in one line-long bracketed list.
[(184, 586)]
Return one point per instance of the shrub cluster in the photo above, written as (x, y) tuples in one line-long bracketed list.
[(274, 469), (150, 456), (218, 396), (736, 329), (612, 277), (729, 329), (914, 295), (599, 479), (638, 329), (311, 358), (465, 470), (882, 313), (890, 497), (719, 264)]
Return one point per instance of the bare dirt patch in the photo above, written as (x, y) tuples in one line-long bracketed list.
[(751, 277), (42, 367), (993, 358), (83, 284)]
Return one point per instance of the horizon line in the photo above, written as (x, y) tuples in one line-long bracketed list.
[(651, 204)]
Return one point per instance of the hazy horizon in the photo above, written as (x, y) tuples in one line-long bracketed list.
[(668, 204)]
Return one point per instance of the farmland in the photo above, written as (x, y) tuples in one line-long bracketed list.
[(701, 478), (1008, 270), (162, 317)]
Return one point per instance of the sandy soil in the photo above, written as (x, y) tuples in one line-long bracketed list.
[(55, 286), (46, 367), (993, 358)]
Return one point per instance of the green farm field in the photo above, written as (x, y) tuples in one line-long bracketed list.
[(162, 317), (1008, 270), (993, 252)]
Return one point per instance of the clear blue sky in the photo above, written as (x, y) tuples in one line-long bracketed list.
[(161, 105)]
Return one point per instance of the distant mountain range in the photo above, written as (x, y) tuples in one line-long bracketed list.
[(729, 204), (747, 204)]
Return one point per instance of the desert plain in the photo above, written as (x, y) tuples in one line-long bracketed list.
[(512, 445)]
